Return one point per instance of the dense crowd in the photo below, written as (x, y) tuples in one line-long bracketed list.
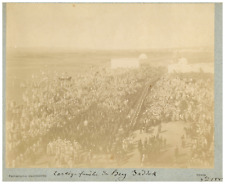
[(31, 153), (189, 98), (90, 108), (174, 98), (64, 152), (72, 119)]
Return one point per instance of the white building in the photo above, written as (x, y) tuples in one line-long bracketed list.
[(125, 63), (183, 67)]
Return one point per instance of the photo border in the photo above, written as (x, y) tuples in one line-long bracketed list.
[(163, 174)]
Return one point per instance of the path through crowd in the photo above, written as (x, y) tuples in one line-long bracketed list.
[(172, 132)]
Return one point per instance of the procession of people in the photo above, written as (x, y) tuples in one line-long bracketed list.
[(95, 111), (89, 108)]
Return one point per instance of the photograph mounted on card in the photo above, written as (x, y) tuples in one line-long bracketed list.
[(112, 92)]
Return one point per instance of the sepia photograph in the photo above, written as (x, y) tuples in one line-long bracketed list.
[(109, 85)]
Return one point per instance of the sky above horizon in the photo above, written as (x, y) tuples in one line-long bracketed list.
[(109, 26)]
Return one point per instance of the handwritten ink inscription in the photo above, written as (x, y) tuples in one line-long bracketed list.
[(116, 174), (204, 177)]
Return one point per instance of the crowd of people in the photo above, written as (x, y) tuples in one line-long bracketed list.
[(174, 98), (201, 138), (64, 152), (185, 98), (90, 108), (63, 117), (150, 148), (30, 155)]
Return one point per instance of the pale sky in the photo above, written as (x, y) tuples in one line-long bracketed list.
[(109, 26)]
